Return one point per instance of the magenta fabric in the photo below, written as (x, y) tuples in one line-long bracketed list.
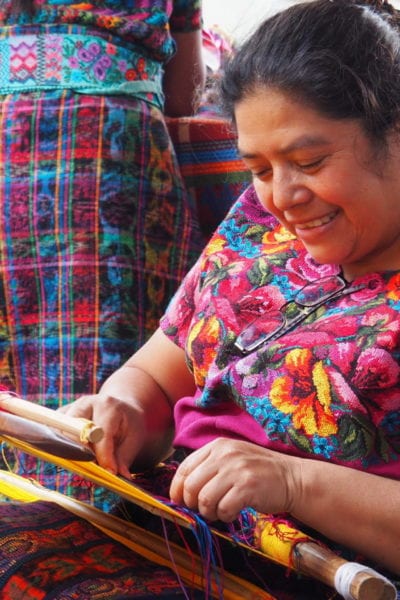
[(196, 427), (328, 389)]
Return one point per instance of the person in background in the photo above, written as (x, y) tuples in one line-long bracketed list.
[(217, 48), (278, 358), (97, 229)]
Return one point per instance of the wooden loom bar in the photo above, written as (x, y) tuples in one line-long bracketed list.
[(310, 558), (188, 565), (319, 562), (82, 430)]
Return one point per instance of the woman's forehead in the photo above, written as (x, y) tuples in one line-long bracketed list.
[(267, 112)]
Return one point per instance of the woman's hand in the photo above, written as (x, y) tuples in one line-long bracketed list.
[(123, 425), (226, 475), (135, 406), (353, 508)]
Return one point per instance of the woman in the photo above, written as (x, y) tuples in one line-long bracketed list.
[(93, 208), (278, 358), (289, 322)]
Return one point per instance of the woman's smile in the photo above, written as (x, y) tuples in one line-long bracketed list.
[(318, 222), (323, 180)]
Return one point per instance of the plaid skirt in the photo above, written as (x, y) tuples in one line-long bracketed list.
[(96, 232)]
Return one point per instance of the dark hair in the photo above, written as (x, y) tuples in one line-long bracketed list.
[(341, 57)]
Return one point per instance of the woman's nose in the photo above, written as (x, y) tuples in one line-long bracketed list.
[(288, 190)]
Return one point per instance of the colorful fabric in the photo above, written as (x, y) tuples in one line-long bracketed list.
[(46, 552), (96, 227), (84, 63), (213, 171), (261, 555), (92, 246), (329, 388), (189, 550), (106, 47), (147, 23)]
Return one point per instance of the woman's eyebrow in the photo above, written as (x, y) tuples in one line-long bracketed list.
[(304, 141)]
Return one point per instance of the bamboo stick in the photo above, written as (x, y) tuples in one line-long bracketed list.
[(189, 566), (82, 430), (309, 557), (319, 562)]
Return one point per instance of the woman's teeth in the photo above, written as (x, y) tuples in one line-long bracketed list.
[(317, 222)]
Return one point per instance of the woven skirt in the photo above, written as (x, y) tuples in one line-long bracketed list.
[(96, 232)]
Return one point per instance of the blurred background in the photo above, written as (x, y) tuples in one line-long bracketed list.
[(239, 17)]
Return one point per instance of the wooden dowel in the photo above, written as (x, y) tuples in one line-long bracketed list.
[(309, 558), (82, 430), (189, 566), (322, 564)]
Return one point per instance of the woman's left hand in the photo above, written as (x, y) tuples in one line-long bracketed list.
[(226, 475)]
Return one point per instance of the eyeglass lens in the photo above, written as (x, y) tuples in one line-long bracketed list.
[(270, 324), (319, 291)]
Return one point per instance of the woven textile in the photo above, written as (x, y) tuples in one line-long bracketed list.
[(91, 247), (48, 553), (259, 577), (213, 172)]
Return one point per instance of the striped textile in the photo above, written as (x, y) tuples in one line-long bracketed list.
[(213, 171), (96, 232)]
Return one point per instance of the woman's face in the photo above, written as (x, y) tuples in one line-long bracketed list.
[(322, 179)]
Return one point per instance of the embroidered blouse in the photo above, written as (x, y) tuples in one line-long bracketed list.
[(106, 46), (328, 389)]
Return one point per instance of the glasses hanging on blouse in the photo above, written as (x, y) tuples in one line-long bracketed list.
[(273, 324)]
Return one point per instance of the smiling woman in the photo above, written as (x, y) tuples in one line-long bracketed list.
[(310, 418), (306, 265), (323, 180)]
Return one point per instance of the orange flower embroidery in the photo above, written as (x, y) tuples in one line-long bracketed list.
[(208, 331), (394, 288), (308, 401)]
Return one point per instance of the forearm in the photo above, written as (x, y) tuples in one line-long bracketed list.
[(184, 76), (147, 386), (135, 387), (353, 508)]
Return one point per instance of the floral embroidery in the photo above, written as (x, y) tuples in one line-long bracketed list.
[(329, 387), (108, 47)]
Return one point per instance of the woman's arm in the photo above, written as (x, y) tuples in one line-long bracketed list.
[(353, 508), (134, 406), (356, 509), (184, 77)]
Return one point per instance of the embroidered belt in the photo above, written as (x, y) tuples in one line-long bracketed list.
[(84, 63)]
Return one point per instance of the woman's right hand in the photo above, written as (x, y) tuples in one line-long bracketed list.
[(134, 406), (123, 425)]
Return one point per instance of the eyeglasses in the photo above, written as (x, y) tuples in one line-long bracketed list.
[(272, 325)]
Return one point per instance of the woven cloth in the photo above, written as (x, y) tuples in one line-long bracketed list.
[(213, 171), (96, 233), (48, 553)]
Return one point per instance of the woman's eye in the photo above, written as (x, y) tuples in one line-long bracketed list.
[(309, 166), (262, 174)]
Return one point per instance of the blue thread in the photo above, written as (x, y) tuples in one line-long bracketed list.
[(207, 547)]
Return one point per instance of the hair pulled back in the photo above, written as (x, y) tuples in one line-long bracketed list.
[(341, 57)]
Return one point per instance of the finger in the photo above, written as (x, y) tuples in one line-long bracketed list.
[(81, 408), (230, 505), (202, 488), (185, 469), (210, 496)]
